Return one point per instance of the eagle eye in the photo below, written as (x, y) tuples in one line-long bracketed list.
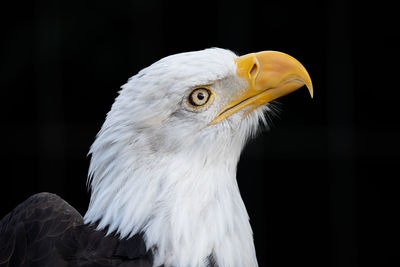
[(199, 97)]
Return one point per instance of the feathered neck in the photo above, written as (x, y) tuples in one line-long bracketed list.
[(186, 203)]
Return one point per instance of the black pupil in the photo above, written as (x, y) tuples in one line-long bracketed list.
[(200, 95)]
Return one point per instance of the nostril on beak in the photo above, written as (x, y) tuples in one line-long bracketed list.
[(253, 72)]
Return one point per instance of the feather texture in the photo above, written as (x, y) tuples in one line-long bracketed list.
[(45, 231), (157, 167)]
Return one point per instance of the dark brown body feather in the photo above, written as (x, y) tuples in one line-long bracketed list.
[(46, 231)]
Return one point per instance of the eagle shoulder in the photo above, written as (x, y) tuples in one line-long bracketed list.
[(45, 231), (31, 232)]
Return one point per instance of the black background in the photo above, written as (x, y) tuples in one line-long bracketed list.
[(321, 186)]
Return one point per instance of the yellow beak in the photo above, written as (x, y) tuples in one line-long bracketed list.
[(270, 75)]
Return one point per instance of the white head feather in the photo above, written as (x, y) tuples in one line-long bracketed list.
[(160, 169)]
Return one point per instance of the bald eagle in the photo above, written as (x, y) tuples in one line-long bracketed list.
[(162, 174)]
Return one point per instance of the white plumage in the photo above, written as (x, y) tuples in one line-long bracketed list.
[(159, 167)]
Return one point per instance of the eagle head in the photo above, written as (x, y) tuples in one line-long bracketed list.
[(164, 162)]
